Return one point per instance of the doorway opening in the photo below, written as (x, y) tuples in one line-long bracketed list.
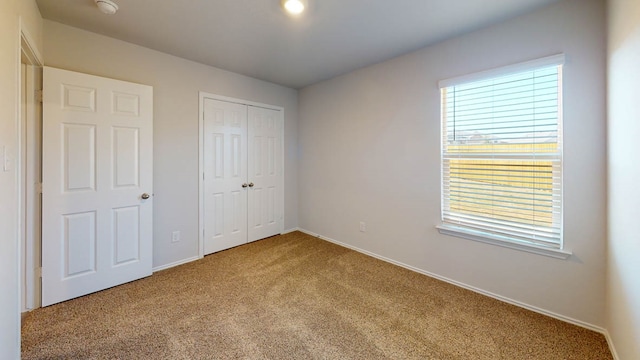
[(29, 165)]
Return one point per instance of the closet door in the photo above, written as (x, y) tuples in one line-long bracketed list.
[(265, 173), (242, 180), (225, 174)]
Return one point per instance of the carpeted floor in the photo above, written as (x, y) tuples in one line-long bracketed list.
[(297, 297)]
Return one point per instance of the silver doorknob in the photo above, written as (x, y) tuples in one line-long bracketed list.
[(244, 185), (251, 184), (145, 196)]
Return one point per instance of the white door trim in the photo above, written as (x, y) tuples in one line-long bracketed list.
[(202, 96), (28, 166)]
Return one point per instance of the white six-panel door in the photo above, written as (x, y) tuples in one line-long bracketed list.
[(265, 172), (242, 173), (225, 173), (97, 173)]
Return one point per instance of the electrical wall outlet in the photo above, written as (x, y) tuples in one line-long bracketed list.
[(175, 236), (363, 226)]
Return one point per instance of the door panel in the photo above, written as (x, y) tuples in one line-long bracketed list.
[(79, 243), (265, 172), (126, 235), (125, 157), (97, 161), (225, 171), (78, 157)]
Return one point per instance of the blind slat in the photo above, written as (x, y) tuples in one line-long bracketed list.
[(502, 155)]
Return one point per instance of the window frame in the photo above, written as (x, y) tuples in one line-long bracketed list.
[(447, 228)]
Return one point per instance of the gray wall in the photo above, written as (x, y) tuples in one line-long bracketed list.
[(623, 285), (176, 83), (370, 151)]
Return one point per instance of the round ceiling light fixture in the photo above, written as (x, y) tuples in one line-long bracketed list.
[(107, 6), (293, 7)]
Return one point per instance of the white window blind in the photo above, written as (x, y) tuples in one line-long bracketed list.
[(502, 153)]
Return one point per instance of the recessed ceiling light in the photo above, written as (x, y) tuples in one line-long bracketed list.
[(293, 7), (107, 6)]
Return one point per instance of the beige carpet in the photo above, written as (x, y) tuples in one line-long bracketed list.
[(297, 297)]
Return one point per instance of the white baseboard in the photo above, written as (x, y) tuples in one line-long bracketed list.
[(612, 348), (173, 264), (284, 232), (468, 287), (23, 315)]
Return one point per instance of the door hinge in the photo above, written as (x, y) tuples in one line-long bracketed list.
[(39, 188), (38, 95), (39, 272)]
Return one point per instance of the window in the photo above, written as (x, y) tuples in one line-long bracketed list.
[(502, 156)]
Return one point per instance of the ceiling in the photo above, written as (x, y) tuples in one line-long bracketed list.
[(256, 38)]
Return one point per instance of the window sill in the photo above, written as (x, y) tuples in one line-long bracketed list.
[(478, 236)]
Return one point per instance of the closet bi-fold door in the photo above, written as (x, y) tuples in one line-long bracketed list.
[(243, 172)]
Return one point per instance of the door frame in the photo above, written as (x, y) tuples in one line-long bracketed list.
[(205, 95), (29, 171)]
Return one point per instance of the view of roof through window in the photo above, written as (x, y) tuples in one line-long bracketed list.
[(514, 109)]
